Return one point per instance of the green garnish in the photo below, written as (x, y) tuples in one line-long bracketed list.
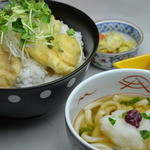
[(50, 38), (50, 46), (27, 36), (70, 32), (124, 114), (44, 12), (17, 26), (60, 50), (144, 115), (45, 18), (22, 17), (88, 129), (112, 121), (34, 25), (132, 101), (145, 134), (148, 99), (115, 148), (5, 29), (39, 9)]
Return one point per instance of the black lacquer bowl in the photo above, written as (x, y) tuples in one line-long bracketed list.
[(34, 101)]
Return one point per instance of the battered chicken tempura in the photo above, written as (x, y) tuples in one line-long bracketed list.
[(9, 69), (64, 57)]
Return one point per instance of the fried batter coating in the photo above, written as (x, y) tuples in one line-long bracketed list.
[(63, 57), (9, 69)]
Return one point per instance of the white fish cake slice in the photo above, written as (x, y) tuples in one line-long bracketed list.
[(121, 133)]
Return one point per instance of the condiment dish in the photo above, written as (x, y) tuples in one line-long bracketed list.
[(105, 61)]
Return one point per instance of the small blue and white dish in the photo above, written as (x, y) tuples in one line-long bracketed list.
[(105, 61)]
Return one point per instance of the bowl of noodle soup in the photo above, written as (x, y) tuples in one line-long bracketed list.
[(110, 111)]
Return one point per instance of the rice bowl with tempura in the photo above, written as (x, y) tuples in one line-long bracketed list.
[(43, 48)]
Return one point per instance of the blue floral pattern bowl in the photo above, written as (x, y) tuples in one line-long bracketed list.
[(105, 60)]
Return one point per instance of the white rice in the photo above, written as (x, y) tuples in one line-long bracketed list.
[(33, 73)]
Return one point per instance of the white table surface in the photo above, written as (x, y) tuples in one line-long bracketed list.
[(48, 132)]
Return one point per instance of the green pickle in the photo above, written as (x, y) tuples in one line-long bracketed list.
[(116, 42)]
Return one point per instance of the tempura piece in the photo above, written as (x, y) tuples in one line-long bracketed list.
[(9, 69), (56, 24), (64, 56)]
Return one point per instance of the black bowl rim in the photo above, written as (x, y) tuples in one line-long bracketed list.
[(125, 22), (70, 74)]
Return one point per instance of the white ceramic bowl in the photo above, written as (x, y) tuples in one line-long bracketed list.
[(105, 60), (102, 84)]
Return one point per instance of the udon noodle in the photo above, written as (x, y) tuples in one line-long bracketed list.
[(90, 122)]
